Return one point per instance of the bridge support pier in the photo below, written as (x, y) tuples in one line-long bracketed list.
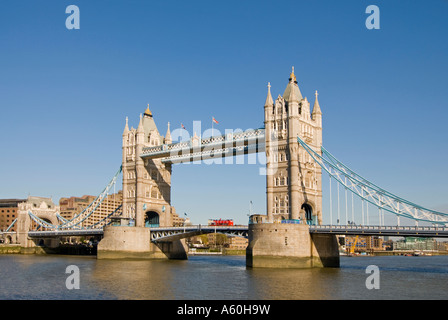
[(124, 242), (278, 245)]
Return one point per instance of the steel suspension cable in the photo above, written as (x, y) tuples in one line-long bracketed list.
[(372, 193)]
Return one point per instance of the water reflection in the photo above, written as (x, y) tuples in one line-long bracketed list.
[(296, 284)]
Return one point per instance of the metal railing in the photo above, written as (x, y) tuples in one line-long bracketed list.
[(417, 231)]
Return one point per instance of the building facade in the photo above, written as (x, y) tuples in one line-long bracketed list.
[(414, 243), (364, 243), (70, 207), (8, 213)]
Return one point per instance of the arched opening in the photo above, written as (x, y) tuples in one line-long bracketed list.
[(8, 239), (37, 226), (308, 213), (152, 219)]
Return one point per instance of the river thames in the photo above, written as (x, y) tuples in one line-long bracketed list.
[(43, 277)]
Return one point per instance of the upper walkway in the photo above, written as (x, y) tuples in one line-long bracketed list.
[(228, 145)]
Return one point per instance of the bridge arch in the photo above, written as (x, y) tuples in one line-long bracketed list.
[(152, 219), (307, 208), (8, 239), (46, 217)]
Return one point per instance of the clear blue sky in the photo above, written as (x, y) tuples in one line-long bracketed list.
[(64, 94)]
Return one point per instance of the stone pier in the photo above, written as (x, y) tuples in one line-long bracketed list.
[(125, 242), (282, 245)]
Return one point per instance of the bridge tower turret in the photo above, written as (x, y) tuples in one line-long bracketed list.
[(146, 183), (293, 183), (293, 188), (146, 198), (270, 164)]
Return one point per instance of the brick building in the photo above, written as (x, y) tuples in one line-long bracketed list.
[(8, 213)]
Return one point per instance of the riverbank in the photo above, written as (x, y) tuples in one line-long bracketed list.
[(92, 250), (399, 253), (63, 249), (410, 252), (224, 252), (14, 249)]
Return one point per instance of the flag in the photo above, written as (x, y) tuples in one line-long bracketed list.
[(183, 126), (214, 120)]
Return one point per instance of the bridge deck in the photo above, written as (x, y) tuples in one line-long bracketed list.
[(162, 234), (174, 233), (403, 231), (65, 233)]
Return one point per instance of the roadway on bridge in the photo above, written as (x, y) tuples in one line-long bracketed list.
[(162, 234)]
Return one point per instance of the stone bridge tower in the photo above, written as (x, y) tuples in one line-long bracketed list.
[(294, 183), (44, 209), (293, 188), (146, 183), (146, 199)]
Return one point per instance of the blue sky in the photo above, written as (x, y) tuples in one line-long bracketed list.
[(64, 94)]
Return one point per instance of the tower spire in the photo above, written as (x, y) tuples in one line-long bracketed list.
[(292, 76), (168, 139), (292, 91), (316, 107), (269, 101), (126, 127), (140, 124), (148, 112)]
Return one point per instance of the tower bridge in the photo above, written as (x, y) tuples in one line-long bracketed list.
[(291, 233)]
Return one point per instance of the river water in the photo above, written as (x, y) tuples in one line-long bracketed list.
[(38, 277)]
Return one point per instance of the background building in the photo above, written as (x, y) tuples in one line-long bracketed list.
[(8, 213), (364, 243), (72, 206), (413, 243), (9, 210), (237, 243), (218, 240)]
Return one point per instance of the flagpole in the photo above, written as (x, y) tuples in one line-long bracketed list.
[(212, 128)]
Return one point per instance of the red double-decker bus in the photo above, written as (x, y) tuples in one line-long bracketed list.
[(221, 222)]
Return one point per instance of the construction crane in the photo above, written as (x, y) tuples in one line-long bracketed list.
[(353, 246)]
